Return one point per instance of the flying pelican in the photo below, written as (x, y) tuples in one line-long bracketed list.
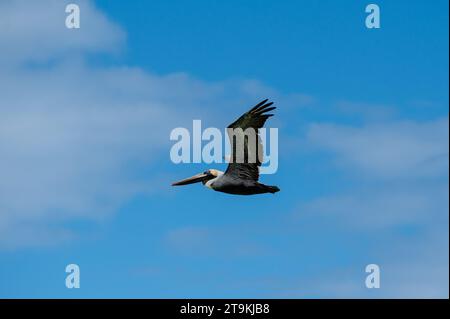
[(242, 174)]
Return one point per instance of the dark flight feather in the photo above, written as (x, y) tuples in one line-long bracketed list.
[(255, 118)]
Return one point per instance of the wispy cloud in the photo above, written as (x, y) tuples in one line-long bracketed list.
[(382, 207), (393, 150), (367, 111)]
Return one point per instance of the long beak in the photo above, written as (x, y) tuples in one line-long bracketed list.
[(191, 180)]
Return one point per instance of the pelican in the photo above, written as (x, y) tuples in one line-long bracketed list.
[(242, 174)]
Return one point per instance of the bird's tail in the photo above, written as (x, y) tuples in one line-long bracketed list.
[(271, 189)]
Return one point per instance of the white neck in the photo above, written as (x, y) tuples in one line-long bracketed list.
[(209, 183)]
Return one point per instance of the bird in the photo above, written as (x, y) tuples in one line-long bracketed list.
[(242, 174)]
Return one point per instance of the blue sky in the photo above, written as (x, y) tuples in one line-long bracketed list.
[(84, 141)]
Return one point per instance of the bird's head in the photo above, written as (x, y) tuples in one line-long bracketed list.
[(202, 177)]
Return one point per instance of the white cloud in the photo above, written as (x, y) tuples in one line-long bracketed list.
[(393, 150), (382, 207), (72, 135), (36, 31), (70, 139), (368, 111)]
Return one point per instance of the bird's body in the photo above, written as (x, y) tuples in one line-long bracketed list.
[(242, 174), (227, 184)]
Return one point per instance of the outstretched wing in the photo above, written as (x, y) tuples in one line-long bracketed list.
[(246, 145)]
